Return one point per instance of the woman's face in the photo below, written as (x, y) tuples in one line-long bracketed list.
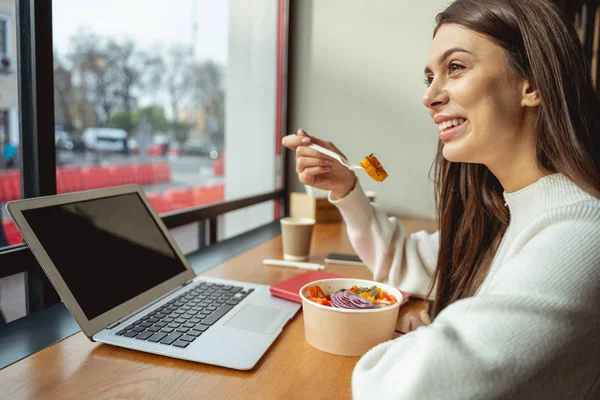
[(474, 98)]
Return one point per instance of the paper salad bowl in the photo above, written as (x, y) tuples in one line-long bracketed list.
[(347, 332)]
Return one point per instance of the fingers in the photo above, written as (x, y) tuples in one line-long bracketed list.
[(415, 322), (425, 318), (301, 138), (292, 142), (324, 143), (304, 151), (309, 175), (306, 162)]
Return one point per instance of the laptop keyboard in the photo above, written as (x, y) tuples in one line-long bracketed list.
[(180, 321)]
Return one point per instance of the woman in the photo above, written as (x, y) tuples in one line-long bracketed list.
[(10, 155), (515, 266)]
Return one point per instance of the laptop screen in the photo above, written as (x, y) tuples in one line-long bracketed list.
[(107, 250)]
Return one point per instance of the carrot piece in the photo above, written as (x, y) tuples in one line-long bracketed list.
[(391, 298), (323, 301)]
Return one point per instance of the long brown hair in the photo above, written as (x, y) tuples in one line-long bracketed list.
[(543, 48)]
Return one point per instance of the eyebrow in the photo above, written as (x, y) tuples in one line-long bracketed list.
[(446, 54)]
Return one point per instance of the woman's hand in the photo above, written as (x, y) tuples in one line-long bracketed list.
[(318, 170), (423, 320)]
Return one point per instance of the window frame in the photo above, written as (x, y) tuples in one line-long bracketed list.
[(6, 15), (38, 153)]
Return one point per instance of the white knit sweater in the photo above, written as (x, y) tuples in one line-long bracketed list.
[(531, 331)]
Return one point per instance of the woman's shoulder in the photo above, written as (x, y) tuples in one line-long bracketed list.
[(578, 219), (568, 230), (570, 202), (558, 252)]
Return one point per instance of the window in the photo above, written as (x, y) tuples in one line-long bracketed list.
[(9, 127), (12, 287), (185, 101), (186, 111)]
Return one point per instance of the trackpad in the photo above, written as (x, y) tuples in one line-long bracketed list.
[(256, 319)]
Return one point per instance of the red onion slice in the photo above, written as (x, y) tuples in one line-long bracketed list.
[(347, 299)]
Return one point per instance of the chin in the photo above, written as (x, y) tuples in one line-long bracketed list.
[(454, 153)]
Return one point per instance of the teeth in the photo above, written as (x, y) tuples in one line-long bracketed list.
[(447, 124)]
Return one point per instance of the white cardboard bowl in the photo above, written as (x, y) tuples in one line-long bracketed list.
[(348, 332)]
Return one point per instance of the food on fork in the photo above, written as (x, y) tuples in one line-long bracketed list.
[(373, 167)]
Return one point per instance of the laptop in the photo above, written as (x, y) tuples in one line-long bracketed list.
[(126, 282)]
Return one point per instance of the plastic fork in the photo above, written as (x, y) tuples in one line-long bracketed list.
[(336, 156)]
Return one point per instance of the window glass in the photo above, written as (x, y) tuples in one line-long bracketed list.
[(10, 187), (160, 97), (178, 97)]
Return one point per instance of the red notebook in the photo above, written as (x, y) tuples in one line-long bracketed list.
[(289, 288)]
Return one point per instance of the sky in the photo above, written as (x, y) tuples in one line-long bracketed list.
[(150, 23)]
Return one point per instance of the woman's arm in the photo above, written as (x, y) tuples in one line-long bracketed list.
[(404, 261), (532, 334)]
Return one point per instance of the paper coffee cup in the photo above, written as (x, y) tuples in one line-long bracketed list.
[(296, 235)]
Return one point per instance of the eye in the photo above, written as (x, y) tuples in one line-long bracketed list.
[(455, 66), (428, 80)]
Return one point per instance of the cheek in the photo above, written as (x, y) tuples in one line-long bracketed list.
[(493, 108)]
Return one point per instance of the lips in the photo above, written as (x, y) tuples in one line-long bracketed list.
[(450, 131)]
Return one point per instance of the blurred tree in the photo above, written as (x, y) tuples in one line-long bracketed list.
[(155, 116), (209, 92), (130, 65), (111, 72), (95, 71), (169, 72), (63, 94), (180, 130), (111, 77), (121, 120)]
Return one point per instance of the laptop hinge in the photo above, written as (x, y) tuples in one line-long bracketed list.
[(125, 318)]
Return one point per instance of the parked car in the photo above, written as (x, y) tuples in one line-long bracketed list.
[(109, 140), (63, 141), (202, 147), (68, 142)]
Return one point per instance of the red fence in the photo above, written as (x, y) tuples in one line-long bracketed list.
[(75, 179), (92, 177)]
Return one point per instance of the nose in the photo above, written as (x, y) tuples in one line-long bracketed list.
[(435, 95)]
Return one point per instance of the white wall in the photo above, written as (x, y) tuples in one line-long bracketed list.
[(250, 111), (356, 69)]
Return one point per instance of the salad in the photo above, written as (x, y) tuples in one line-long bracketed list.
[(355, 298)]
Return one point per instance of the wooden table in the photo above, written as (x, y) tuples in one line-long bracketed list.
[(75, 368)]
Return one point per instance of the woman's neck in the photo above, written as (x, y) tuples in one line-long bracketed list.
[(518, 167), (519, 176)]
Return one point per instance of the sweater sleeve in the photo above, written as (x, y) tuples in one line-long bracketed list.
[(533, 334), (405, 262)]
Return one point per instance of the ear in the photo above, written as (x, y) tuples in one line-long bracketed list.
[(530, 96)]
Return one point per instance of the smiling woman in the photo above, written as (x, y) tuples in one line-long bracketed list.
[(513, 270)]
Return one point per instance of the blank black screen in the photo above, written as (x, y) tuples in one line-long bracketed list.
[(107, 250)]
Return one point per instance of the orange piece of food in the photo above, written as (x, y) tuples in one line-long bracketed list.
[(389, 297), (316, 291), (373, 167), (322, 301), (355, 289)]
